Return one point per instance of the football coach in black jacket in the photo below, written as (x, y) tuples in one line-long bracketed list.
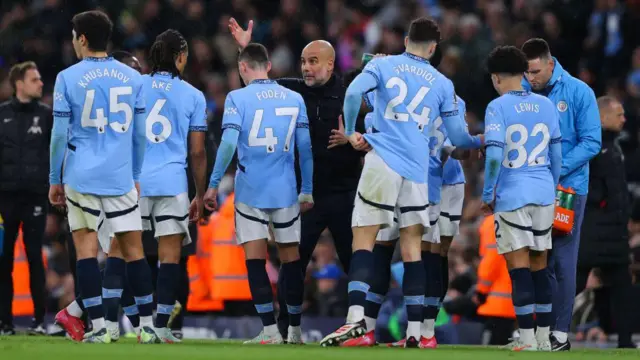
[(605, 240), (336, 165), (25, 130)]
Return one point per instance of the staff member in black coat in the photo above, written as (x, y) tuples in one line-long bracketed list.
[(336, 166), (25, 130), (604, 241)]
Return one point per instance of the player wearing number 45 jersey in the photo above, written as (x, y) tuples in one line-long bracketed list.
[(523, 163), (99, 111), (409, 95), (266, 121)]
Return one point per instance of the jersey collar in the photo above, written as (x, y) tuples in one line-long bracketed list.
[(98, 59), (518, 92), (263, 81), (416, 57)]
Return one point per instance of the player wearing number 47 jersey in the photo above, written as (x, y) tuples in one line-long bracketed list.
[(523, 163), (409, 95), (265, 121), (176, 116), (99, 111)]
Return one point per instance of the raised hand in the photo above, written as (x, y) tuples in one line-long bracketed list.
[(242, 37)]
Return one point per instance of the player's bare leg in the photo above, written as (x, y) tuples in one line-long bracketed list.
[(139, 277), (294, 278), (360, 274), (90, 281), (261, 292), (169, 248)]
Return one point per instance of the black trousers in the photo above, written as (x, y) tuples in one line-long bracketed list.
[(30, 210), (618, 278), (501, 329), (333, 212)]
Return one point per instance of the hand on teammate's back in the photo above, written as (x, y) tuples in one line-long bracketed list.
[(211, 199), (242, 37), (338, 136)]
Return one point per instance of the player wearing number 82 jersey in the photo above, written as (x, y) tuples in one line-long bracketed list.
[(523, 162)]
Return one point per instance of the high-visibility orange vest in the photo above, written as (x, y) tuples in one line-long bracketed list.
[(218, 272), (22, 303), (228, 279), (493, 275)]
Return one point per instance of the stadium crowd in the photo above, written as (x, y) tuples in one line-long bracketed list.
[(596, 41)]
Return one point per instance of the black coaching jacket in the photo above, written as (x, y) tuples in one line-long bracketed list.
[(604, 237), (25, 133)]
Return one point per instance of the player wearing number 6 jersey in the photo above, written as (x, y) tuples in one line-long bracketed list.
[(266, 121), (99, 120), (176, 116), (523, 163), (409, 94)]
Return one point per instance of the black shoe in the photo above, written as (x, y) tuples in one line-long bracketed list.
[(557, 345), (36, 328), (6, 330), (412, 342)]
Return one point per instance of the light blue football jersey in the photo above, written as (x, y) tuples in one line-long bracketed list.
[(410, 94), (266, 115), (175, 108), (101, 97), (452, 172), (524, 124), (437, 139)]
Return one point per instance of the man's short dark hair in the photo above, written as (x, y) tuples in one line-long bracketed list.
[(508, 60), (95, 26), (121, 55), (19, 70), (424, 30), (536, 48), (255, 55)]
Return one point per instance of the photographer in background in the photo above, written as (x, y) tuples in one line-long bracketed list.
[(25, 131), (604, 242)]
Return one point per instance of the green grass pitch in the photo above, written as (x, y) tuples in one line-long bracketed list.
[(48, 348)]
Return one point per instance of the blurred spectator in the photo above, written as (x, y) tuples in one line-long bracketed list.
[(604, 242)]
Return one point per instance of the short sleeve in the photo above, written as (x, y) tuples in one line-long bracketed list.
[(449, 105), (494, 127), (198, 120), (303, 119), (231, 118), (374, 69), (61, 105), (140, 107)]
